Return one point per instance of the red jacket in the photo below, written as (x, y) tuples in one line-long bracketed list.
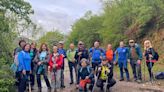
[(58, 60)]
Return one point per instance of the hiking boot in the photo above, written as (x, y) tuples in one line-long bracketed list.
[(128, 80), (71, 83), (135, 79), (39, 89), (121, 79), (49, 89), (62, 86), (139, 81)]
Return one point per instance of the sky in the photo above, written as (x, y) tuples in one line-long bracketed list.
[(61, 14)]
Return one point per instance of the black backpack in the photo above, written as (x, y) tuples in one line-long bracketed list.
[(156, 56)]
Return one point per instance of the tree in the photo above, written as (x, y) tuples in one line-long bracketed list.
[(51, 38)]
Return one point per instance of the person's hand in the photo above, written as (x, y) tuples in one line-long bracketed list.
[(62, 55), (150, 56), (73, 60), (101, 57), (128, 60), (139, 62), (55, 65), (79, 53), (87, 77), (115, 62), (24, 72), (77, 86), (30, 72), (39, 63), (99, 69)]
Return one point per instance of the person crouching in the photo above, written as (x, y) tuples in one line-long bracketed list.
[(104, 75), (85, 76)]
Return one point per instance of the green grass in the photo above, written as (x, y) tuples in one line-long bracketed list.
[(158, 67)]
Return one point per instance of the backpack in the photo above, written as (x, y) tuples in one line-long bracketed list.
[(93, 49), (159, 75), (88, 69), (156, 56), (14, 66)]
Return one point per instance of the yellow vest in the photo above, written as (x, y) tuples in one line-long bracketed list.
[(104, 76)]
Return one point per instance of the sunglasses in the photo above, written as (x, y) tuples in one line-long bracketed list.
[(131, 42), (80, 44)]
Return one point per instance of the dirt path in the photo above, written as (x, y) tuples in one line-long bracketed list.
[(119, 87)]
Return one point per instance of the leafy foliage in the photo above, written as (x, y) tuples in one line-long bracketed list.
[(51, 38), (121, 20), (13, 15)]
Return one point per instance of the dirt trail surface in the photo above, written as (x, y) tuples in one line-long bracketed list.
[(119, 87)]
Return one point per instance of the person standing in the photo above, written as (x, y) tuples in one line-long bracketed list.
[(135, 57), (55, 63), (42, 59), (22, 43), (62, 52), (110, 56), (81, 52), (33, 52), (96, 54), (24, 67), (122, 61), (150, 54), (72, 62)]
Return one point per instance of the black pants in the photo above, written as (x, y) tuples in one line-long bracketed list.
[(150, 66), (71, 66), (95, 65), (136, 68), (45, 78), (32, 76), (23, 81), (111, 70)]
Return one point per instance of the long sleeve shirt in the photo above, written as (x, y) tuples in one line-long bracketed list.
[(24, 60)]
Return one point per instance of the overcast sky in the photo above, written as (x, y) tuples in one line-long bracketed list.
[(61, 14)]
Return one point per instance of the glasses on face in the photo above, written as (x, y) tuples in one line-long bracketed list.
[(80, 44), (131, 42)]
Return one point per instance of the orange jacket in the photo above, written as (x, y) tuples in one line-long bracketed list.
[(109, 55)]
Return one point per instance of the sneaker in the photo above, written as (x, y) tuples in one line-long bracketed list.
[(62, 86), (128, 80), (39, 89), (139, 81), (135, 79), (121, 79), (71, 83)]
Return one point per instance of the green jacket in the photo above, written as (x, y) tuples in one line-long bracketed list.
[(138, 52), (70, 54)]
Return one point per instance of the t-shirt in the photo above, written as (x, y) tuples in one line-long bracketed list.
[(122, 53)]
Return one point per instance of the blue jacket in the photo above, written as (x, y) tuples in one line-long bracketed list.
[(62, 51), (96, 53), (122, 53), (24, 60)]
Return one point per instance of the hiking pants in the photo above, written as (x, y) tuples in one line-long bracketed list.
[(136, 68), (123, 65), (150, 66), (71, 66)]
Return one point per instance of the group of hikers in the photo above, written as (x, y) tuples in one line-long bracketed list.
[(92, 67)]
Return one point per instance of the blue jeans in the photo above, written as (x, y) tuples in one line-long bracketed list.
[(136, 69), (123, 65)]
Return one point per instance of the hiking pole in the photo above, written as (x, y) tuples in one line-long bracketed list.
[(106, 84), (144, 70), (55, 81), (95, 82), (29, 84)]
